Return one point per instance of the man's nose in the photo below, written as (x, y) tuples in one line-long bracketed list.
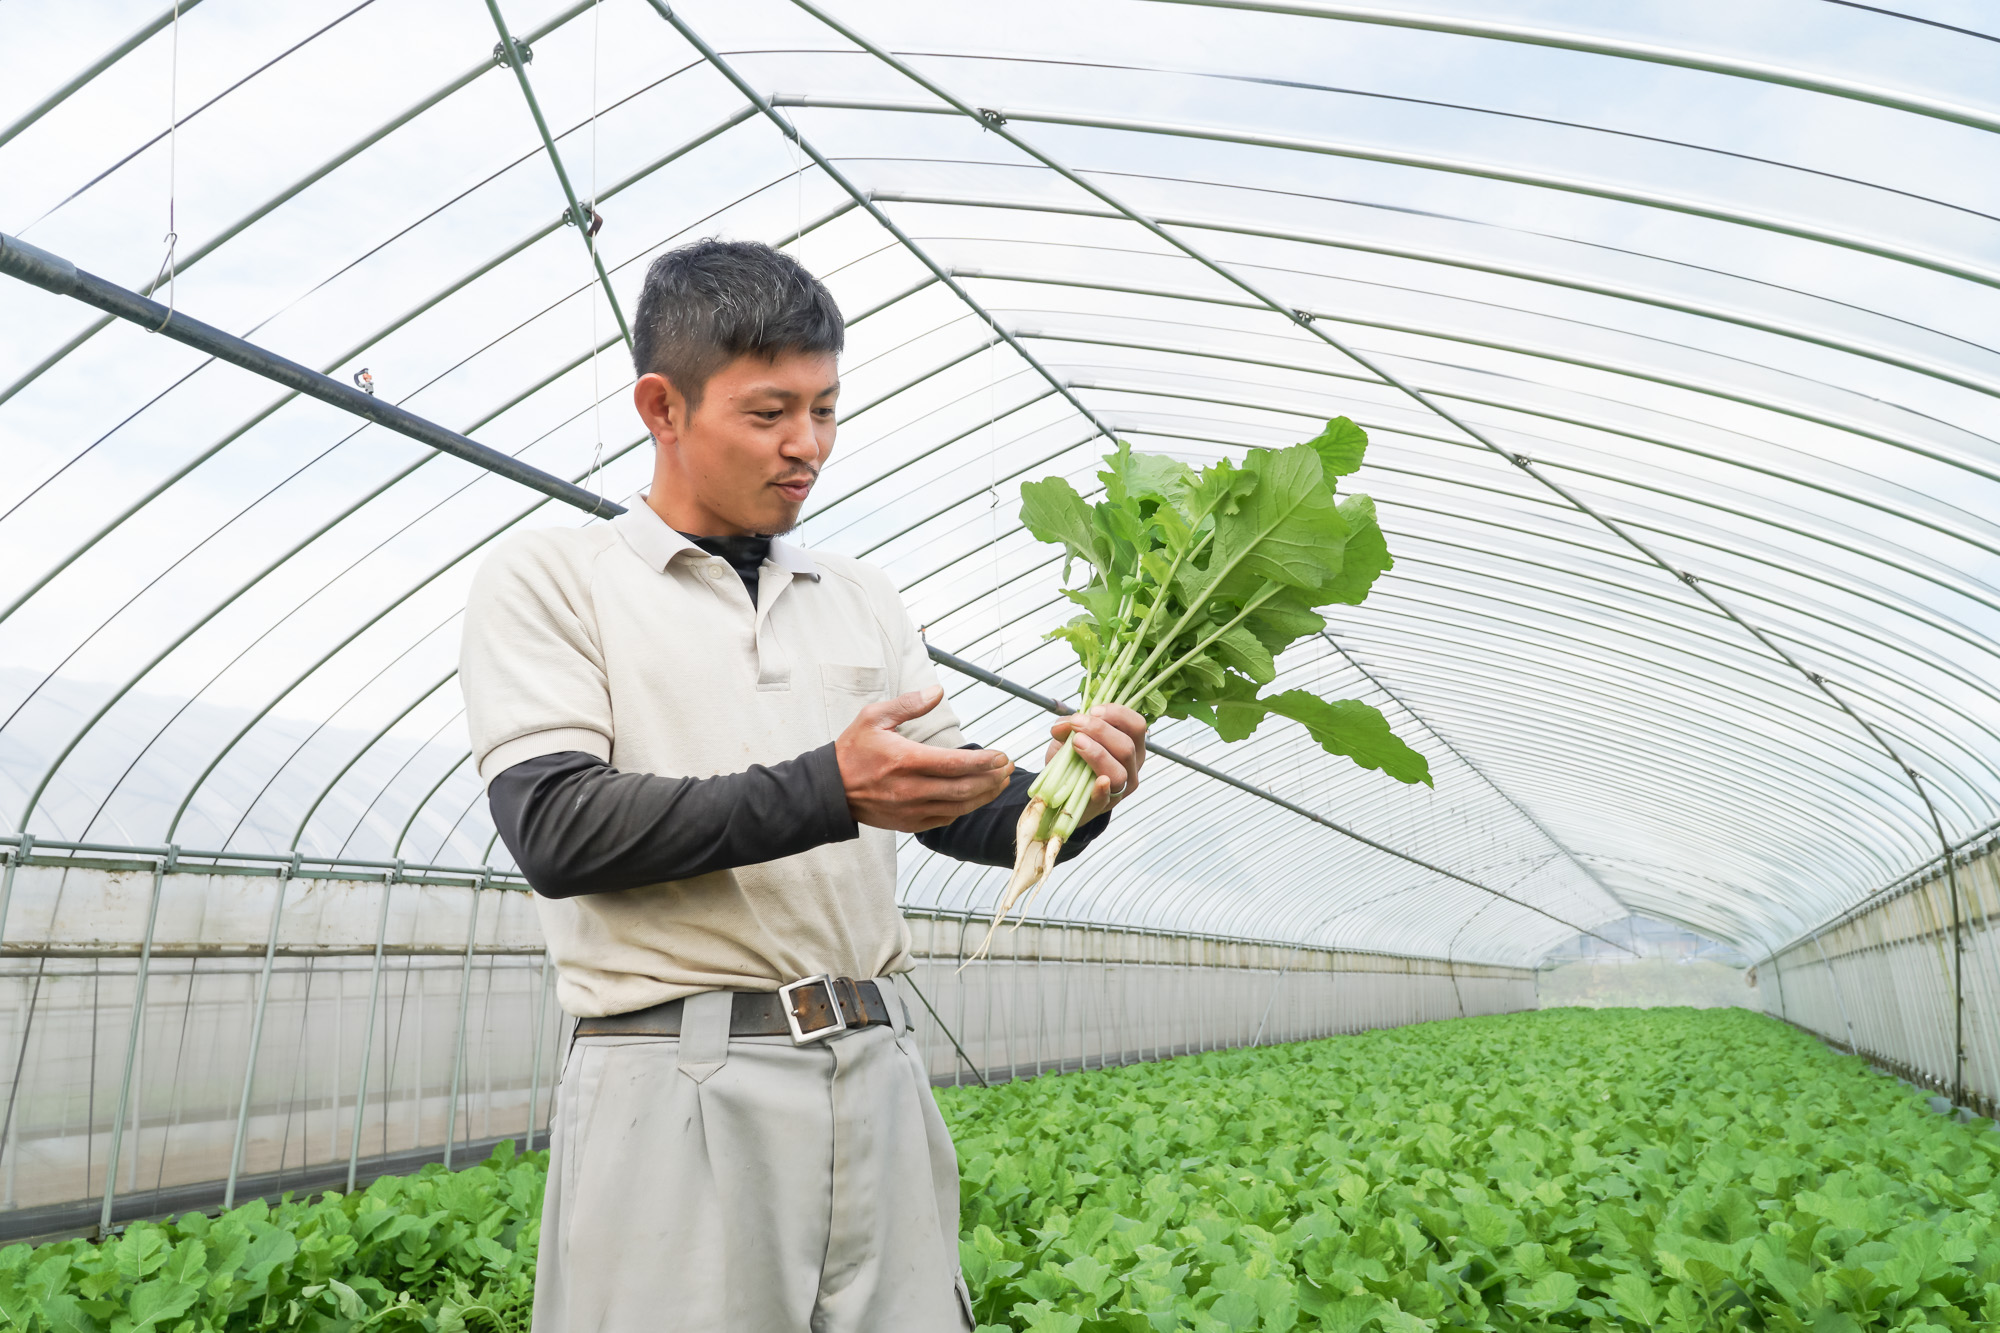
[(800, 440)]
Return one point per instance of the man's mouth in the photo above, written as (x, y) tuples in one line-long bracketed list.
[(795, 489)]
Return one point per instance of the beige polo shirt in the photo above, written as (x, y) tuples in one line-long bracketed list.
[(627, 641)]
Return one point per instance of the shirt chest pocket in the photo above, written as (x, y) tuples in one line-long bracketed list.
[(849, 689)]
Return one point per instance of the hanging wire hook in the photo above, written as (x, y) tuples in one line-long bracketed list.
[(173, 237)]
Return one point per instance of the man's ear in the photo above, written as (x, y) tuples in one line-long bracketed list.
[(660, 406)]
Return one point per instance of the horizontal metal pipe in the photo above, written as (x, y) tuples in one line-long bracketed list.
[(52, 273)]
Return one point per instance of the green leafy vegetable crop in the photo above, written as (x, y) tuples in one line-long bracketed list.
[(1199, 580), (440, 1251), (1671, 1170), (1598, 1170)]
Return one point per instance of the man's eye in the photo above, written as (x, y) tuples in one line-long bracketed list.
[(770, 416)]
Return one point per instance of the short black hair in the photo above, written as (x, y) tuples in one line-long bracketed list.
[(708, 303)]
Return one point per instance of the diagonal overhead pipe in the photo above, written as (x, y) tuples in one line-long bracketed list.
[(51, 273)]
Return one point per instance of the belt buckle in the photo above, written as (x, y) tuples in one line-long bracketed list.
[(800, 1036)]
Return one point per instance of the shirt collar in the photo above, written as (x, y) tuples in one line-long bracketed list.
[(657, 544)]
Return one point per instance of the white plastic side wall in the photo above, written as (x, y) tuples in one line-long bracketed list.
[(485, 1021), (1883, 983)]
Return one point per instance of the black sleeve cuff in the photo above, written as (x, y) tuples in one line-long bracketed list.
[(986, 836)]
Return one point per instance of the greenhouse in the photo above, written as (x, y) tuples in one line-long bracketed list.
[(1638, 974)]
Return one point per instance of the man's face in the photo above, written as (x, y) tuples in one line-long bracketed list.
[(745, 459)]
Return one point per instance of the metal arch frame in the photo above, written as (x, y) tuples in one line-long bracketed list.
[(104, 62), (1644, 593), (1602, 647), (1517, 348), (1949, 626), (1624, 372), (1884, 864), (389, 783), (1648, 52), (1610, 368), (1941, 623), (1450, 259), (1361, 153), (1493, 268)]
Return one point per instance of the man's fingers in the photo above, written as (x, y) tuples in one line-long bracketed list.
[(895, 712), (934, 761)]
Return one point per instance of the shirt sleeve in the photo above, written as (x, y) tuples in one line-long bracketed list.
[(986, 836), (578, 826), (530, 669)]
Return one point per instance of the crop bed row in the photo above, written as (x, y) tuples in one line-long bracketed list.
[(1668, 1170)]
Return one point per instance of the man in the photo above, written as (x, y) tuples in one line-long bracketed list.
[(699, 742)]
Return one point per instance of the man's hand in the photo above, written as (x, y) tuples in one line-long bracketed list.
[(897, 784), (1111, 738)]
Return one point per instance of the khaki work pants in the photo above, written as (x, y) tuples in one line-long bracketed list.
[(713, 1185)]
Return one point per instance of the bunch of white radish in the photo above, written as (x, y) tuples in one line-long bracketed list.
[(1198, 580)]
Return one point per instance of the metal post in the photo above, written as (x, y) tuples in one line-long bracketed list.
[(464, 1000), (1853, 1047), (14, 859), (1957, 977), (535, 1074), (368, 1035), (131, 1048), (257, 1034)]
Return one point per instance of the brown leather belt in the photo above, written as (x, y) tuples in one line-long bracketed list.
[(808, 1010)]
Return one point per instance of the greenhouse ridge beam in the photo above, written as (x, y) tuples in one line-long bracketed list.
[(51, 273)]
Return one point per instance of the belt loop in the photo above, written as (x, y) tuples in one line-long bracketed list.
[(705, 1033)]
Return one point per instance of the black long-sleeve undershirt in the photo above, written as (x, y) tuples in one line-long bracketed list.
[(578, 826)]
